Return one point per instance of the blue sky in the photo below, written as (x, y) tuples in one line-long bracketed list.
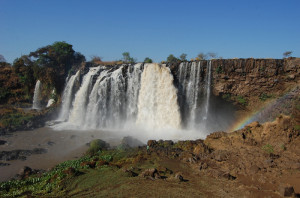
[(156, 28)]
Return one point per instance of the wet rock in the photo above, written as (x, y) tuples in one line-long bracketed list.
[(20, 154), (50, 143), (2, 142), (130, 142), (4, 164), (25, 172), (152, 143)]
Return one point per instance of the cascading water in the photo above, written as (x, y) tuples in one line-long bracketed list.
[(80, 102), (37, 95), (207, 90), (157, 104), (67, 97), (139, 97)]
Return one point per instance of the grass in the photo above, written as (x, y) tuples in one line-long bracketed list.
[(264, 96), (241, 100), (268, 148), (15, 119)]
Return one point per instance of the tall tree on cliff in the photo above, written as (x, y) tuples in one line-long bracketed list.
[(56, 61)]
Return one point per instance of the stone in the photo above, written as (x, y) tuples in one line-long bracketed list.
[(149, 172), (2, 142), (286, 191), (179, 177), (25, 172)]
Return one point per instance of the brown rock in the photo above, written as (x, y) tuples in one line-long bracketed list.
[(286, 191)]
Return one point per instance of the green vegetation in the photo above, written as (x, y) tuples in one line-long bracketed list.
[(183, 57), (297, 127), (96, 146), (219, 69), (264, 96), (268, 148), (127, 58), (241, 100), (15, 119), (172, 59), (148, 60), (287, 54), (226, 96)]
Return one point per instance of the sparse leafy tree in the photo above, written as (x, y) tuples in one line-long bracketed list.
[(183, 57), (148, 60), (96, 59), (211, 54), (2, 59), (287, 54), (127, 58), (172, 59), (202, 56)]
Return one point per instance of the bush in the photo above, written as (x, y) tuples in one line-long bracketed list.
[(96, 146), (264, 96), (219, 70), (268, 148), (241, 100)]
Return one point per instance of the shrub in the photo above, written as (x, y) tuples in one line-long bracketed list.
[(264, 96), (219, 69), (268, 148), (97, 145), (241, 100)]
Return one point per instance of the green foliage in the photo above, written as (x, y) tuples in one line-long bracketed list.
[(264, 96), (183, 57), (4, 94), (15, 119), (55, 61), (202, 56), (172, 59), (287, 54), (241, 100), (96, 146), (127, 58), (297, 127), (148, 60), (268, 148), (219, 69), (227, 96)]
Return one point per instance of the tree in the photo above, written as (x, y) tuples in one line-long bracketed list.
[(2, 59), (212, 54), (287, 54), (172, 59), (183, 57), (57, 60), (96, 59), (202, 56), (127, 58), (148, 60)]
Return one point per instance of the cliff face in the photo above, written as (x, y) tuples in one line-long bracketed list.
[(251, 84), (254, 77)]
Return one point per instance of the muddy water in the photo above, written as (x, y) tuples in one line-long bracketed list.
[(60, 146)]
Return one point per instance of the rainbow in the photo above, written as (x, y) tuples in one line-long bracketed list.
[(263, 113)]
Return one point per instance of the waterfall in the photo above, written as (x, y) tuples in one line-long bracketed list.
[(207, 89), (139, 97), (37, 95), (80, 102), (51, 100), (67, 96), (157, 102)]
